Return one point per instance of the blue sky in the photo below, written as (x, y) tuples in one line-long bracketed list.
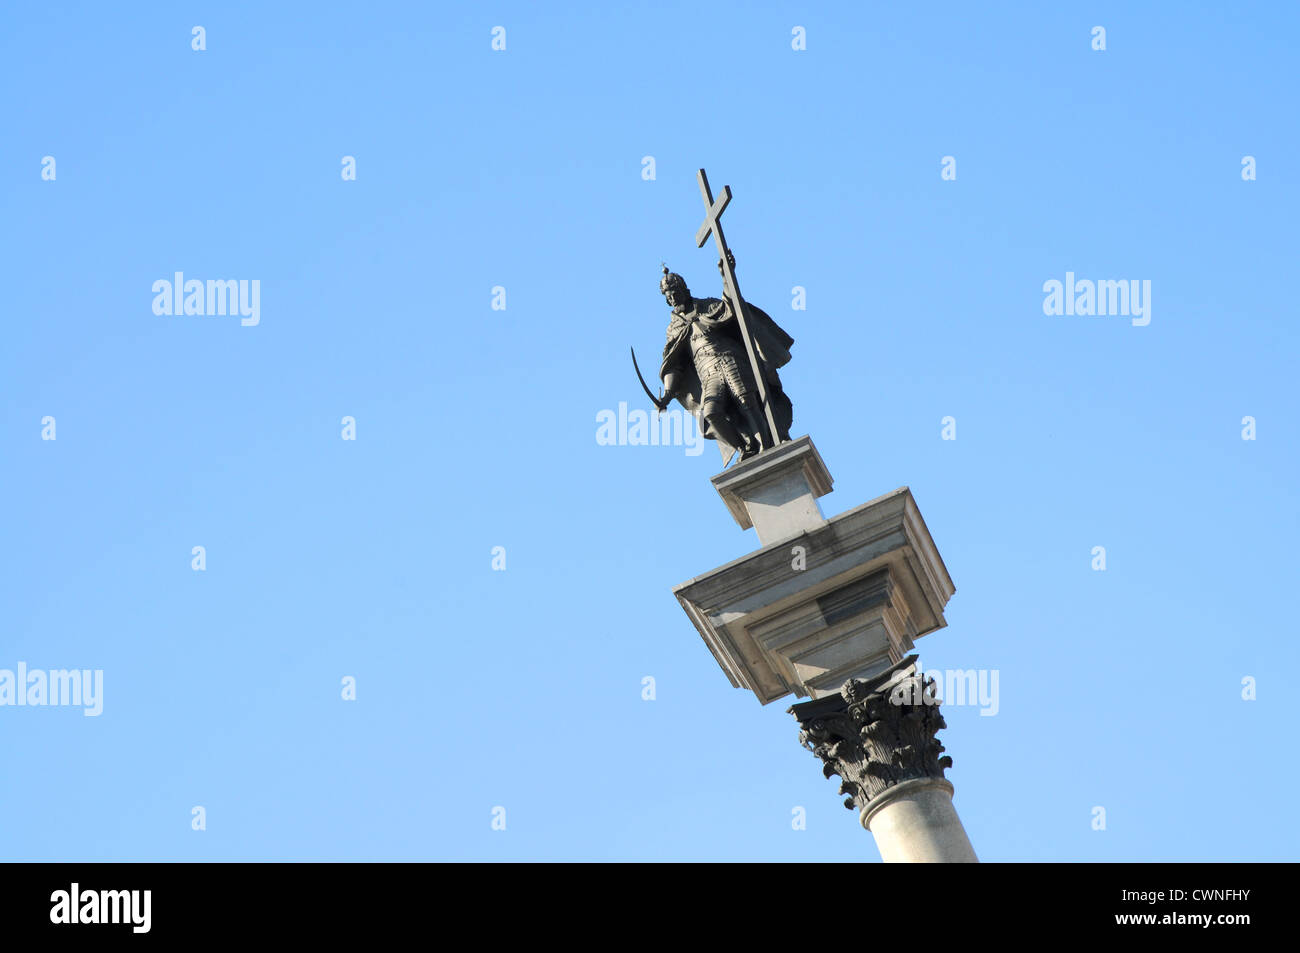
[(475, 427)]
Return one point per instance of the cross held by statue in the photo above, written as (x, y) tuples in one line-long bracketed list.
[(731, 289)]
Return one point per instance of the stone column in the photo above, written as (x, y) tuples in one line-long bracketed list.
[(829, 608), (878, 735)]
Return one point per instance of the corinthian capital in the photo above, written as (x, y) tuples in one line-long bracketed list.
[(876, 733)]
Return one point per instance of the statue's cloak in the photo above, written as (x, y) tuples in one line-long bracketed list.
[(770, 341)]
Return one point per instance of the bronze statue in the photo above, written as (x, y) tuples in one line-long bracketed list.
[(705, 368), (722, 355)]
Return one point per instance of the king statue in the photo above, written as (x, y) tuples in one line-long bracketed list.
[(706, 368), (722, 354)]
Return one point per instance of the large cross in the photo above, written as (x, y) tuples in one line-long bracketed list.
[(713, 224)]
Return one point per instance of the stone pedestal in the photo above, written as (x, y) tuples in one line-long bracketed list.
[(829, 608), (823, 600), (776, 492)]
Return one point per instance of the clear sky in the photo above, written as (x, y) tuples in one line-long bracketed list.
[(475, 428)]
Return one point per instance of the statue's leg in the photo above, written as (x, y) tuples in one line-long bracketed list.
[(713, 406), (750, 411), (746, 400), (715, 412)]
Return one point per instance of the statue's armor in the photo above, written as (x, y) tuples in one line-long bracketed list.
[(720, 360), (710, 370)]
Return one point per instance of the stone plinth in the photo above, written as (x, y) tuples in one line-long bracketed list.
[(823, 600), (776, 492)]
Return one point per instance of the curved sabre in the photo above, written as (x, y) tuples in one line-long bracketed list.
[(659, 403)]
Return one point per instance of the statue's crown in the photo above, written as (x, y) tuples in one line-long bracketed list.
[(671, 280)]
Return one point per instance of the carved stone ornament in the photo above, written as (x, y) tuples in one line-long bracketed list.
[(877, 733)]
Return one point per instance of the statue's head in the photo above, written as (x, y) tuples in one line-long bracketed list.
[(673, 287)]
